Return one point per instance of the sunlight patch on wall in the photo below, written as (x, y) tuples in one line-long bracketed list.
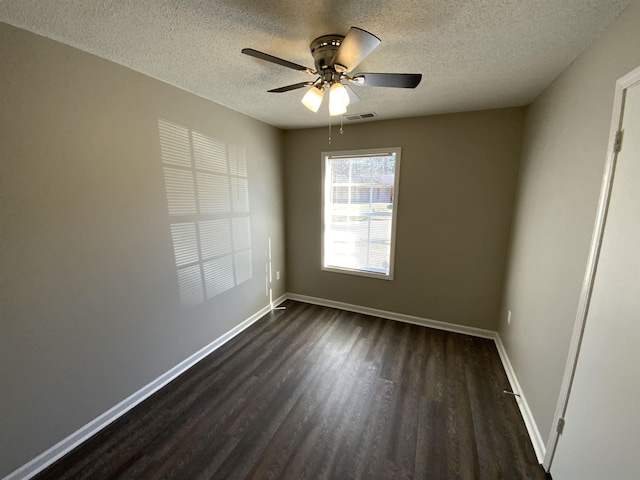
[(242, 262), (216, 238), (208, 203), (185, 245), (190, 286), (181, 196)]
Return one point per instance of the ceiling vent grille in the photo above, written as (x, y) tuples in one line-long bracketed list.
[(360, 116)]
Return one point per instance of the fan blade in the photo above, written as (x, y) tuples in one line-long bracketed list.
[(353, 96), (270, 58), (288, 88), (357, 44), (396, 80)]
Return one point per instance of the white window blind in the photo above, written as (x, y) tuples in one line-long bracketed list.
[(360, 197)]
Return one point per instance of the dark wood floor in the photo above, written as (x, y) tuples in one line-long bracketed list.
[(314, 392)]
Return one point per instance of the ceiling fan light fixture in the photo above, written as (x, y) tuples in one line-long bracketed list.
[(337, 110), (334, 56), (338, 99), (313, 98)]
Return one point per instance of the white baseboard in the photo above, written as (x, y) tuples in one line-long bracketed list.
[(67, 444), (401, 317), (530, 423), (527, 416)]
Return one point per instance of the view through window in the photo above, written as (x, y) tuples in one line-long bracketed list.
[(360, 197)]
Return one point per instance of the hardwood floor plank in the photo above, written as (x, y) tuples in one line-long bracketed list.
[(321, 394), (376, 437), (319, 444), (318, 393), (331, 436), (404, 434)]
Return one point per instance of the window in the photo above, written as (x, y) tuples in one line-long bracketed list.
[(360, 198)]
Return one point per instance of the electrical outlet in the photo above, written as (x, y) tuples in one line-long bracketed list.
[(509, 317), (278, 275)]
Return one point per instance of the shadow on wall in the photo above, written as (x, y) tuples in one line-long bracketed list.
[(208, 201)]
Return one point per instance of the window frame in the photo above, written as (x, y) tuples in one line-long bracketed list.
[(325, 157)]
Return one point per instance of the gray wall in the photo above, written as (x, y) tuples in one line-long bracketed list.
[(457, 184), (89, 304), (564, 151)]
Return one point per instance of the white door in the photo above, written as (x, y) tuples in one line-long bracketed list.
[(601, 435)]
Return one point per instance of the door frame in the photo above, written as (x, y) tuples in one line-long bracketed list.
[(622, 85)]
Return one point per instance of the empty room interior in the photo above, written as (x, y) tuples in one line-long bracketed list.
[(183, 292)]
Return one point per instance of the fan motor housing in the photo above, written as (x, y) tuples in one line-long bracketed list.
[(323, 50)]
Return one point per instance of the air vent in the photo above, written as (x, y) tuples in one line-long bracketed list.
[(360, 116)]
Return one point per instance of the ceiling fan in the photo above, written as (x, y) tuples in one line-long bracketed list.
[(335, 56)]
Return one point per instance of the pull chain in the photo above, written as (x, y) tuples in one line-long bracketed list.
[(329, 128), (341, 122)]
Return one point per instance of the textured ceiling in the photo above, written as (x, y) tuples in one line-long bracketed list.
[(473, 54)]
